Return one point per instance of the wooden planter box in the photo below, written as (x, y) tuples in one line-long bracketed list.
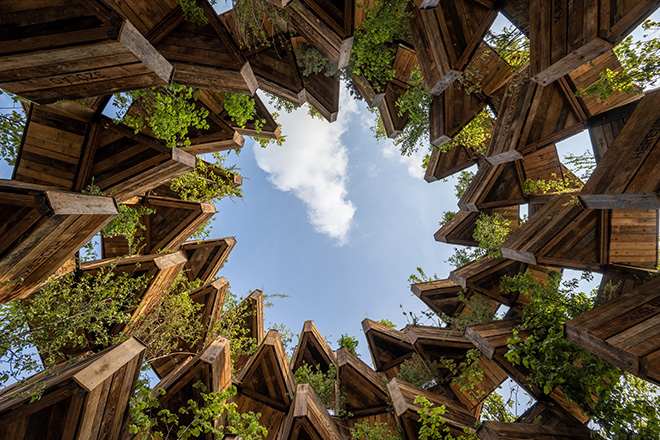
[(309, 419), (389, 347), (443, 165), (363, 389), (167, 229), (491, 339), (456, 417), (205, 258), (441, 296), (563, 36), (460, 229), (57, 50), (211, 296), (444, 43), (71, 151), (626, 176), (312, 349), (438, 344), (624, 331), (563, 233), (265, 385), (42, 228), (86, 400), (211, 367), (204, 56), (326, 25)]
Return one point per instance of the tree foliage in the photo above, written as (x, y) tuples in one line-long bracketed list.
[(323, 383), (434, 426), (375, 431), (12, 123)]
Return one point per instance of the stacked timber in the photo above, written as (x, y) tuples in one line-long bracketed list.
[(85, 400), (389, 347), (312, 350), (52, 50), (42, 228)]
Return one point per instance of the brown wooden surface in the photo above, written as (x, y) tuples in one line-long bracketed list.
[(549, 414), (312, 349), (388, 347), (252, 309), (61, 50), (624, 331), (363, 389), (85, 400), (626, 177), (42, 228), (443, 165), (460, 229), (309, 419), (522, 431), (491, 339), (494, 186), (205, 258)]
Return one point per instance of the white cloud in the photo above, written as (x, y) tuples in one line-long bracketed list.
[(312, 164), (413, 162)]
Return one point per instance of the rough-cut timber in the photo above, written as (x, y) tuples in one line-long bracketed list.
[(549, 414), (605, 127), (564, 35), (457, 417), (389, 110), (211, 297), (326, 25), (537, 431), (443, 164), (494, 186), (173, 222), (452, 110), (312, 349), (563, 233), (483, 276), (442, 296), (624, 332), (86, 400), (533, 116), (491, 339), (364, 391), (389, 347), (309, 419), (71, 148), (146, 16), (252, 309), (205, 258), (265, 385), (204, 56), (42, 228), (627, 176), (446, 37), (460, 229), (211, 367), (54, 49)]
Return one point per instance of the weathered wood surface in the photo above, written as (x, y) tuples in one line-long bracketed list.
[(85, 400), (205, 258), (491, 339), (70, 147), (204, 56), (448, 345), (494, 186), (619, 279), (389, 347), (605, 127), (484, 276), (58, 50), (563, 233), (548, 414), (442, 296), (456, 417), (522, 431), (211, 297), (309, 419), (363, 389), (624, 331), (446, 37), (443, 164), (146, 16), (460, 229), (211, 367), (167, 229), (43, 227), (326, 25), (312, 349), (265, 385), (393, 122), (533, 116), (627, 177), (252, 309), (564, 35)]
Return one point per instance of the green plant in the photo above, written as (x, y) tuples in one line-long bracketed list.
[(377, 431), (640, 62), (387, 322), (421, 277), (311, 61), (415, 104), (555, 185), (323, 383), (446, 218), (241, 109), (167, 112), (208, 181), (463, 182), (434, 426), (12, 123), (490, 233), (421, 373), (374, 46), (349, 343), (475, 135), (510, 44), (191, 420), (497, 409)]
